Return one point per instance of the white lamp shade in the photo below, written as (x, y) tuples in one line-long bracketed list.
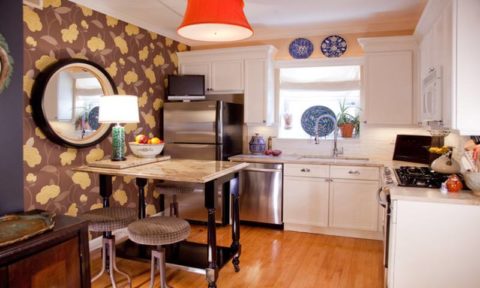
[(118, 109)]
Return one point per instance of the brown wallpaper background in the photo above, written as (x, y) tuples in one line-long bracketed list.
[(137, 60)]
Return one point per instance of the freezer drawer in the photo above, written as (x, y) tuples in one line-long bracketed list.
[(261, 193), (194, 151)]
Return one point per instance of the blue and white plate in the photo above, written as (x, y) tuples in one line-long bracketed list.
[(333, 46), (300, 48), (93, 118), (321, 114)]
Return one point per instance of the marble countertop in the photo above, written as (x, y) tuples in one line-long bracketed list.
[(305, 159), (181, 170)]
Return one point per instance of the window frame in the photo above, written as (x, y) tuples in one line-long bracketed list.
[(304, 63)]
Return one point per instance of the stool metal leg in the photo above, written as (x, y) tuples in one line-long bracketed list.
[(104, 261), (160, 255), (108, 247)]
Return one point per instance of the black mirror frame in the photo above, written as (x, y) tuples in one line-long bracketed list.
[(36, 101)]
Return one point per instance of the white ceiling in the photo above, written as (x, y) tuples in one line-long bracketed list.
[(275, 19)]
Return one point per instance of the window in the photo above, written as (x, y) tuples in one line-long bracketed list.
[(304, 87)]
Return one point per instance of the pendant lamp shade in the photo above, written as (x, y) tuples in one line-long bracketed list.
[(215, 21)]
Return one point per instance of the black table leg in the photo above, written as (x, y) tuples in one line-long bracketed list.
[(236, 222), (141, 183), (105, 182), (212, 270)]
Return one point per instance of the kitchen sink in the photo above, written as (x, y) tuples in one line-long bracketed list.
[(329, 158)]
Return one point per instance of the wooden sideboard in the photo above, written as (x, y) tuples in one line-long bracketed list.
[(58, 258)]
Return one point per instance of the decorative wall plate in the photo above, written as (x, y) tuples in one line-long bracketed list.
[(333, 46), (6, 64), (93, 118), (300, 48), (325, 124)]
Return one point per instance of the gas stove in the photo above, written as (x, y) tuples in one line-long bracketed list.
[(424, 177)]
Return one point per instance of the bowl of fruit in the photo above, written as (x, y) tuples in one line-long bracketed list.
[(145, 147)]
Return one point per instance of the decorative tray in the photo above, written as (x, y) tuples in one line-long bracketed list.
[(18, 227)]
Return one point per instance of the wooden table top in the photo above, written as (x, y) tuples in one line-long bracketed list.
[(180, 170)]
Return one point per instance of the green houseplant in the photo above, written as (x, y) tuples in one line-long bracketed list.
[(346, 121)]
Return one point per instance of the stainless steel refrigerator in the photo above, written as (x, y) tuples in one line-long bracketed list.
[(205, 130)]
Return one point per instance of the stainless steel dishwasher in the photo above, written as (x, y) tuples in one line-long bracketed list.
[(261, 193)]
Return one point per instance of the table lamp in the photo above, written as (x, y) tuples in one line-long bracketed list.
[(118, 109)]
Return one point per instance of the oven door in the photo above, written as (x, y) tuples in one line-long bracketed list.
[(384, 200)]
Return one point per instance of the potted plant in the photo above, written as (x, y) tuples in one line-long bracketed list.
[(347, 122)]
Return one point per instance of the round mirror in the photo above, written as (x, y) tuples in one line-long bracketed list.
[(65, 99)]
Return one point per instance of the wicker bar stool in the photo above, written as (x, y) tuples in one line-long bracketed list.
[(106, 220), (158, 231)]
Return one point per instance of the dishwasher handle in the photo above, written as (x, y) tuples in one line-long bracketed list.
[(265, 170)]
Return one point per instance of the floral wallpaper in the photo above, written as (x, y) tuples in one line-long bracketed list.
[(137, 60)]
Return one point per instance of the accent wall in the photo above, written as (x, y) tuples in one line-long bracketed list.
[(137, 60)]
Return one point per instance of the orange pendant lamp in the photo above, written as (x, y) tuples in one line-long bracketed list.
[(215, 21)]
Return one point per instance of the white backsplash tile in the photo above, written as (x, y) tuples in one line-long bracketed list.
[(376, 143)]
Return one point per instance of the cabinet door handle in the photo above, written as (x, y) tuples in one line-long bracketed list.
[(354, 172), (305, 170)]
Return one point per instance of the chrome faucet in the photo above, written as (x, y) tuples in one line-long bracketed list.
[(335, 151)]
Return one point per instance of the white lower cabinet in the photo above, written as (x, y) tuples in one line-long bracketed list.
[(331, 199), (434, 245), (308, 204), (353, 204)]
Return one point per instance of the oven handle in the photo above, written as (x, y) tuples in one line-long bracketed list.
[(382, 202)]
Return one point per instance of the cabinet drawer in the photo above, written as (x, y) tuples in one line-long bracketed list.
[(355, 172), (306, 170)]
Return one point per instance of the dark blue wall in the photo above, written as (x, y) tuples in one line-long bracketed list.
[(11, 112)]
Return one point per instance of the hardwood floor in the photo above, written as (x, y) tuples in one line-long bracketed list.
[(276, 259)]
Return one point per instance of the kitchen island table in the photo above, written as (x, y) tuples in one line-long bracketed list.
[(194, 257)]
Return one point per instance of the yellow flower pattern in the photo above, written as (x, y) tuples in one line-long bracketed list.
[(30, 41), (44, 62), (84, 24), (130, 77), (31, 178), (31, 155), (46, 193), (71, 34), (150, 210), (39, 133), (82, 179), (182, 47), (112, 69), (157, 104), (72, 210), (120, 196), (137, 60), (111, 22), (131, 29), (95, 155), (67, 157), (158, 60), (95, 43), (142, 101), (31, 19), (150, 75), (53, 3), (86, 11), (121, 44), (143, 54)]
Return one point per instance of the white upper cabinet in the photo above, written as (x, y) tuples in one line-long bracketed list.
[(448, 30), (389, 80), (242, 70)]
